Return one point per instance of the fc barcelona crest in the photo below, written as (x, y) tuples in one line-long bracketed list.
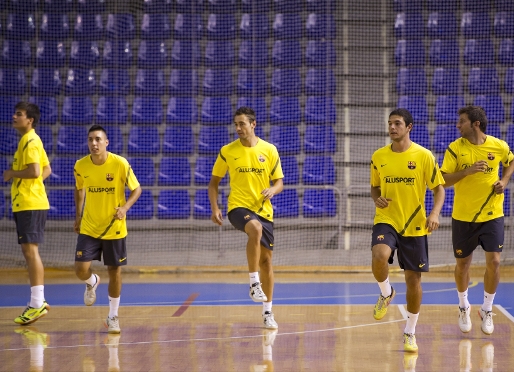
[(490, 156), (261, 158), (411, 165), (109, 177)]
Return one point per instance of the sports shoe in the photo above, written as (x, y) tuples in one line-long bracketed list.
[(31, 314), (487, 356), (464, 319), (380, 309), (269, 337), (33, 336), (409, 343), (256, 293), (90, 293), (112, 340), (465, 355), (487, 321), (269, 320), (409, 362), (112, 325)]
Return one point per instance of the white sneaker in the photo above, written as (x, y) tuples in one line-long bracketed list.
[(487, 321), (269, 320), (112, 325), (269, 336), (90, 293), (464, 319), (256, 293)]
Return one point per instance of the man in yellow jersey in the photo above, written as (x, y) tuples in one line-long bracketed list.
[(30, 205), (400, 174), (252, 163), (100, 221), (471, 164)]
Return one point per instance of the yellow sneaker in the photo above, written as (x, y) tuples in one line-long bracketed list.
[(409, 362), (380, 309), (409, 343), (31, 314), (33, 336)]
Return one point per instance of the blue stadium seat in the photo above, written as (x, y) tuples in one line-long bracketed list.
[(219, 54), (3, 204), (4, 165), (48, 109), (117, 54), (143, 141), (46, 82), (152, 54), (320, 26), (287, 26), (77, 110), (407, 5), (203, 171), (442, 25), (222, 6), (120, 26), (52, 6), (476, 5), (115, 138), (188, 27), (20, 26), (417, 105), (409, 53), (255, 6), (23, 5), (506, 52), (288, 6), (216, 110), (7, 104), (447, 209), (202, 206), (509, 138), (112, 110), (182, 110), (155, 27), (12, 81), (173, 205), (319, 140), (72, 140), (114, 82), (318, 170), (512, 109), (49, 53), (503, 5), (429, 200), (447, 81), (211, 139), (479, 52), (286, 204), (84, 54), (150, 82), (178, 140), (475, 25), (186, 54), (143, 208), (504, 24), (411, 81), (80, 82), (62, 171), (159, 6), (286, 139), (483, 81), (88, 27), (409, 25), (321, 6), (286, 82), (285, 110), (443, 53), (147, 110), (221, 27), (444, 135), (493, 129), (258, 104), (144, 170), (320, 82), (287, 53), (319, 203), (493, 106), (509, 82), (190, 6), (253, 54), (320, 111), (183, 83), (506, 202), (419, 134), (54, 26), (10, 139), (90, 6), (62, 204), (174, 172), (254, 26), (217, 82), (446, 108), (320, 53), (290, 170), (252, 82), (15, 53), (45, 133)]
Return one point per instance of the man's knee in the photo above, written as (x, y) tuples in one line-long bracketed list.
[(254, 229), (381, 253), (266, 257), (412, 279), (81, 268)]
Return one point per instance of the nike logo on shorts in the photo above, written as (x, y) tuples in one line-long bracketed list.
[(421, 265), (122, 259)]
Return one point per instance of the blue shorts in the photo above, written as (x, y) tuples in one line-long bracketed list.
[(466, 236), (239, 217), (114, 251), (30, 226)]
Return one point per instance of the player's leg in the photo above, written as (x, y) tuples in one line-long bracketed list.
[(268, 283), (115, 256), (87, 249)]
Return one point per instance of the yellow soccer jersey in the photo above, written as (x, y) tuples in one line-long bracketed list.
[(404, 177), (251, 169), (29, 194), (105, 190), (475, 200)]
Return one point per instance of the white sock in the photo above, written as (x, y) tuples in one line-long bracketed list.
[(114, 304), (254, 277), (266, 306), (114, 360), (463, 299), (488, 301), (92, 280), (385, 287), (37, 296), (410, 327)]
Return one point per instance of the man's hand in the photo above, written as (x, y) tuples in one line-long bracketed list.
[(121, 212), (268, 193), (479, 166), (7, 175), (217, 217), (499, 186), (382, 202), (76, 225), (432, 222)]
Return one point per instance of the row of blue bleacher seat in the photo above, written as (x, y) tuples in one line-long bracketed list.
[(452, 5), (177, 140), (182, 82), (155, 54), (180, 110), (443, 52), (157, 26)]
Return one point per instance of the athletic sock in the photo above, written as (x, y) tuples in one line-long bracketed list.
[(254, 277), (114, 304), (385, 287), (488, 301), (266, 306), (412, 319), (92, 280), (463, 299), (37, 296)]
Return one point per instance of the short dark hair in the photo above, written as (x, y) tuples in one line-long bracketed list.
[(405, 114), (250, 114), (475, 113), (96, 127), (31, 110)]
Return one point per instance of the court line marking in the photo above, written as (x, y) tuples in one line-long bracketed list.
[(185, 305), (403, 311), (505, 312)]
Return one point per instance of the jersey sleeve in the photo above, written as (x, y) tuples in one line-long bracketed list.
[(33, 154), (79, 180), (507, 154), (276, 170), (433, 174), (220, 166), (450, 159), (131, 180), (374, 175), (44, 159)]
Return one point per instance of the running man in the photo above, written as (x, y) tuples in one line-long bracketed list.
[(252, 163), (100, 219)]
